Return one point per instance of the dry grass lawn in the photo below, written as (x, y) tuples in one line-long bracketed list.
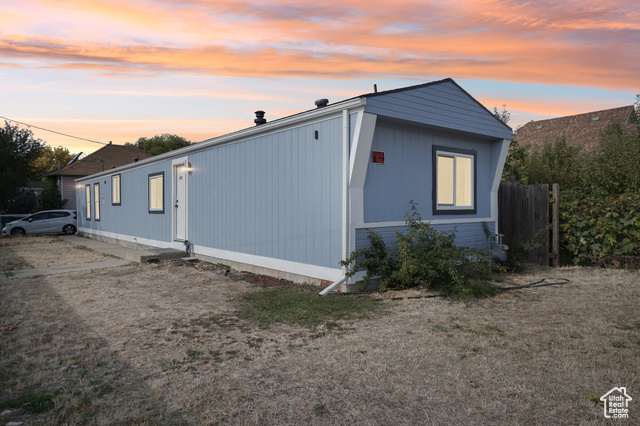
[(161, 344)]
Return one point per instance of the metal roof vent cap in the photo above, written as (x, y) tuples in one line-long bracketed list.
[(259, 118), (321, 103)]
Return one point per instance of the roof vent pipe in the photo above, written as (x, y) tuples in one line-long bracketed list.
[(321, 103), (259, 118)]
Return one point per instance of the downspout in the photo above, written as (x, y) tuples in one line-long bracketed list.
[(345, 201)]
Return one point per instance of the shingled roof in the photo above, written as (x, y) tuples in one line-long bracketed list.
[(582, 130), (113, 156)]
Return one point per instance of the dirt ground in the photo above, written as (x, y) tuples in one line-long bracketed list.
[(161, 344), (28, 252)]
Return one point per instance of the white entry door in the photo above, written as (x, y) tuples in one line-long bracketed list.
[(180, 202)]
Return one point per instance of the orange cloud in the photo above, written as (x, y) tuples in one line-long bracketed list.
[(572, 42)]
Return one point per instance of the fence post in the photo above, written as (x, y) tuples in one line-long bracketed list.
[(555, 213)]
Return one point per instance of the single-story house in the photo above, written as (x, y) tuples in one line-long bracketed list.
[(294, 196), (581, 130), (105, 158)]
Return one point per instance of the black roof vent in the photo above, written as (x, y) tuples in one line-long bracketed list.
[(321, 103), (135, 160), (259, 118)]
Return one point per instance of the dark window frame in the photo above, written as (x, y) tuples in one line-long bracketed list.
[(87, 203), (96, 217), (119, 203), (150, 176), (434, 199)]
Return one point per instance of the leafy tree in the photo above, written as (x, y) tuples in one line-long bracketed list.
[(503, 115), (18, 151), (515, 167), (50, 158), (50, 198), (613, 169), (24, 201), (160, 144), (556, 162)]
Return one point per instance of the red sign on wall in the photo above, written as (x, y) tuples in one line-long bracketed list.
[(378, 157)]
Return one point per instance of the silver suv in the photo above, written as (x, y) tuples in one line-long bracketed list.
[(46, 222)]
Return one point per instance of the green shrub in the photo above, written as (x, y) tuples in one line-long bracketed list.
[(425, 258), (600, 230)]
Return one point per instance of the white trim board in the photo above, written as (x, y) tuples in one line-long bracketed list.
[(430, 222), (303, 269)]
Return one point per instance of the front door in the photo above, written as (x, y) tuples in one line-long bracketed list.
[(180, 202)]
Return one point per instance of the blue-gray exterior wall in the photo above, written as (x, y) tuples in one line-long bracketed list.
[(277, 196), (466, 234), (132, 216), (407, 172), (442, 105)]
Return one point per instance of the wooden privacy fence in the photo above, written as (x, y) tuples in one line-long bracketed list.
[(523, 213)]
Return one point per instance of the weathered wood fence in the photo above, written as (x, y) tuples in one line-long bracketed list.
[(523, 217)]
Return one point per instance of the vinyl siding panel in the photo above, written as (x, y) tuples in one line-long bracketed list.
[(407, 172), (466, 234), (275, 196), (132, 216), (68, 191), (442, 105)]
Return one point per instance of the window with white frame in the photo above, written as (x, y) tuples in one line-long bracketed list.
[(156, 193), (454, 180), (115, 190), (96, 201), (87, 198)]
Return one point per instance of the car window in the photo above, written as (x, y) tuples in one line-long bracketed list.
[(55, 215), (39, 216)]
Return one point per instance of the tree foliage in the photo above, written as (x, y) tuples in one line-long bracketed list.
[(51, 158), (503, 115), (160, 144), (18, 151), (614, 169), (556, 162)]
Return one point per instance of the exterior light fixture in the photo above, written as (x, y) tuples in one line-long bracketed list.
[(189, 169)]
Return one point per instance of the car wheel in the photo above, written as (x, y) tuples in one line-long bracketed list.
[(17, 231), (69, 229)]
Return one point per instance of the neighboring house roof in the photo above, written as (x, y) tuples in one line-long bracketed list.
[(112, 156), (582, 130)]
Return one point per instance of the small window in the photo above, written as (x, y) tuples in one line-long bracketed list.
[(156, 193), (87, 197), (96, 201), (454, 181), (115, 190)]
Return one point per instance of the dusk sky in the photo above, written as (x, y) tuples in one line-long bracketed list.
[(117, 70)]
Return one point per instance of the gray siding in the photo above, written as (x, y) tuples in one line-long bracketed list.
[(277, 196), (443, 105), (68, 191), (407, 173), (132, 216), (467, 234)]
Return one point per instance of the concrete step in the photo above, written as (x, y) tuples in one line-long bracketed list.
[(154, 255)]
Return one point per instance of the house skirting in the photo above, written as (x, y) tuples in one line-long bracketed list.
[(292, 271)]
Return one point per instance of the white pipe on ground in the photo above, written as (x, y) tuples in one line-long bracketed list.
[(332, 286)]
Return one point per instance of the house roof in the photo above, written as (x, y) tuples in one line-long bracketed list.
[(582, 130), (472, 107), (112, 155)]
